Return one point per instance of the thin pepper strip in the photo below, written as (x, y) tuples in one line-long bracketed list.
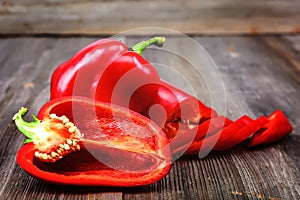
[(212, 142), (276, 128), (186, 141), (228, 140)]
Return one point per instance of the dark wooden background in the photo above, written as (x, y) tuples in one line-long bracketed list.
[(256, 49), (110, 17)]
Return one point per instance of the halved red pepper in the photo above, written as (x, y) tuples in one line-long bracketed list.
[(116, 147), (276, 128)]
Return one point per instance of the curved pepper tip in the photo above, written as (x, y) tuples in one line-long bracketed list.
[(276, 128)]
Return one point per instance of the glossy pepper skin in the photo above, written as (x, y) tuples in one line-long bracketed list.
[(86, 65), (119, 147), (122, 77)]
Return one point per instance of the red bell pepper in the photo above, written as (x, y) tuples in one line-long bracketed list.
[(276, 128), (114, 147), (125, 78), (103, 63)]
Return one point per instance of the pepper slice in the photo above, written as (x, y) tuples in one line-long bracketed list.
[(228, 140), (187, 141), (118, 147), (216, 140), (276, 128)]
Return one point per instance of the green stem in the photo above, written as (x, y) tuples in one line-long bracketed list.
[(29, 129), (141, 46)]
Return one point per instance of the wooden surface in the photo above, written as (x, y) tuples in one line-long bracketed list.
[(260, 74), (111, 17)]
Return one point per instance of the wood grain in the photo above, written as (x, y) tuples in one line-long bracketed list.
[(258, 75), (111, 17)]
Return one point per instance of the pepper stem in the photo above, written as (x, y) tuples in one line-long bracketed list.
[(141, 46), (29, 129)]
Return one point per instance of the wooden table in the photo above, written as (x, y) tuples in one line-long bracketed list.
[(260, 74)]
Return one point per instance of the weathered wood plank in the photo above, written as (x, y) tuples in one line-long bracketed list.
[(257, 80), (110, 17)]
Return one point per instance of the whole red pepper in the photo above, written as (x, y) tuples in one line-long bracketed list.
[(106, 146), (108, 71)]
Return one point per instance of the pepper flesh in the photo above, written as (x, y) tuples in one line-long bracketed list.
[(119, 147)]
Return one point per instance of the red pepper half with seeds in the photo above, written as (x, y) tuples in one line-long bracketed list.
[(77, 141)]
